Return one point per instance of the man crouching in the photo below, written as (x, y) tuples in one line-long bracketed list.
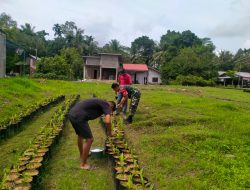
[(79, 116)]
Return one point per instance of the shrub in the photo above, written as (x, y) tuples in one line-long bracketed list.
[(191, 80), (50, 76), (53, 68)]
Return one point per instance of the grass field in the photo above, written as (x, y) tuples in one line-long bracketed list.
[(185, 137)]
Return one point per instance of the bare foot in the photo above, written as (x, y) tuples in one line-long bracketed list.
[(88, 167), (85, 166)]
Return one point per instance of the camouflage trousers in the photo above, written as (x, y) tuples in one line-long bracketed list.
[(134, 103)]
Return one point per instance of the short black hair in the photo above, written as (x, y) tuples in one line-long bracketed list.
[(113, 105), (114, 85)]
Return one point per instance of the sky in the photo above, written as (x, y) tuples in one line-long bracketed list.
[(226, 22)]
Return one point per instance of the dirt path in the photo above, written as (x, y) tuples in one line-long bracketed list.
[(12, 147), (62, 171)]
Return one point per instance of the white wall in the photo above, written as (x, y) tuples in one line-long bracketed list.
[(151, 74), (140, 77)]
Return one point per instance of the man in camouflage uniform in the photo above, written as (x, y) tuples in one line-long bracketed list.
[(128, 92)]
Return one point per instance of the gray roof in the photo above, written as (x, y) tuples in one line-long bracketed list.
[(237, 74), (94, 57), (117, 54), (221, 72), (242, 74), (34, 57), (154, 69)]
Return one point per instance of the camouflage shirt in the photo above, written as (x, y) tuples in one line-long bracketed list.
[(130, 91)]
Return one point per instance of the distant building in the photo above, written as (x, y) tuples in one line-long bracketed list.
[(105, 66), (240, 78), (31, 60), (142, 74), (2, 54)]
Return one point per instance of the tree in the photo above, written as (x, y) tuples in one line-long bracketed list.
[(28, 29), (54, 68), (73, 58), (142, 49), (242, 60), (226, 61), (197, 61), (6, 22), (113, 46)]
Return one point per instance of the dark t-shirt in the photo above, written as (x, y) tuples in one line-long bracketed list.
[(90, 109)]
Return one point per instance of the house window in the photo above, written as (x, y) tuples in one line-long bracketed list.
[(155, 79)]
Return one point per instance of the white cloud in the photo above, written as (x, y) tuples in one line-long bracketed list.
[(246, 44), (127, 20)]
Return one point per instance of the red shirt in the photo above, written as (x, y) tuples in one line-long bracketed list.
[(124, 79), (123, 91)]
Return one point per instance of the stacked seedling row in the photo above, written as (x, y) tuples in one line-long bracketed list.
[(24, 174), (127, 172), (13, 124)]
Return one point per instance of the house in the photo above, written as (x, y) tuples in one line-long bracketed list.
[(2, 54), (239, 78), (243, 79), (29, 66), (142, 74), (31, 61), (105, 66), (224, 79)]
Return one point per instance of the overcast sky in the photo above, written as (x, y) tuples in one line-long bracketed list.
[(226, 22)]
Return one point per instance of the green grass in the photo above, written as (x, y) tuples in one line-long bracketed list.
[(63, 171), (17, 93), (12, 147), (193, 138), (186, 137)]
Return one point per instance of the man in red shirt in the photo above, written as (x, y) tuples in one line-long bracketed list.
[(124, 79)]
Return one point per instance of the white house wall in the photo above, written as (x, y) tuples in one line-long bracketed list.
[(140, 77), (151, 74)]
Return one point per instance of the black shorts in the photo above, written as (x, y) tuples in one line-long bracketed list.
[(81, 127)]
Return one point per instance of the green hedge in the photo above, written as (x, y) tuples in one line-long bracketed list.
[(51, 76), (191, 80)]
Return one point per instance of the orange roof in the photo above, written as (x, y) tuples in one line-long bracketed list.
[(135, 67)]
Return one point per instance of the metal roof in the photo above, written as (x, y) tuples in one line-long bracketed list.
[(116, 54), (135, 67), (243, 74)]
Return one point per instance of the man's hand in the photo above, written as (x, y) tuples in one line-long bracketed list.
[(120, 106)]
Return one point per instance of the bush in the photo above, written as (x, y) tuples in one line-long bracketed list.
[(50, 76), (191, 80), (53, 68)]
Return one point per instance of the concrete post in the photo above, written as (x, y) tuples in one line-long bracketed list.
[(116, 74), (84, 72), (2, 54), (100, 72)]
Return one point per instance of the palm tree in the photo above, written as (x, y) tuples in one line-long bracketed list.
[(28, 29)]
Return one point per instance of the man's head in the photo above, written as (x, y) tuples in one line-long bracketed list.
[(112, 104), (115, 87)]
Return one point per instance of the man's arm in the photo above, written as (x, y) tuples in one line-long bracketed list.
[(124, 99), (108, 124)]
